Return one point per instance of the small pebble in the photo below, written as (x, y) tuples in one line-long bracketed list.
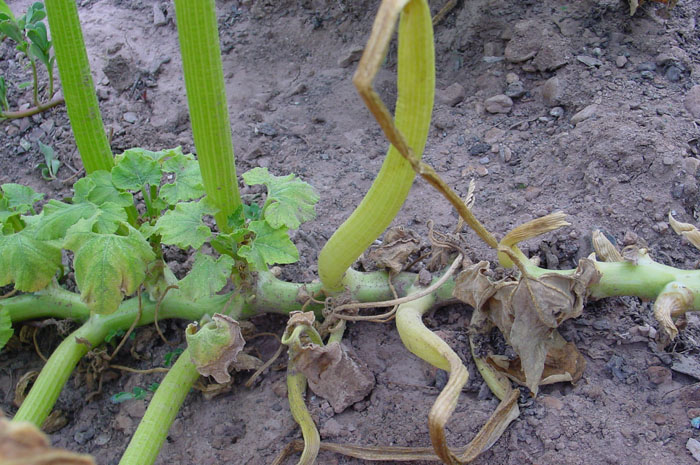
[(482, 171), (673, 74), (130, 117), (556, 112), (646, 66), (479, 148), (484, 160)]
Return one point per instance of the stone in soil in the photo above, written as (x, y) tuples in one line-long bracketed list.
[(584, 114), (451, 95), (498, 104), (692, 101), (551, 91)]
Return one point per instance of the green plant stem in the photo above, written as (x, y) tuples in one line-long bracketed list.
[(296, 385), (42, 397), (153, 429), (416, 87), (35, 78), (271, 295), (206, 98), (78, 89), (31, 111)]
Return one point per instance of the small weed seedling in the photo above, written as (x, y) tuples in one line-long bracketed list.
[(30, 36), (117, 246)]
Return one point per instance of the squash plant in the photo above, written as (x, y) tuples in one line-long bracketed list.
[(193, 203)]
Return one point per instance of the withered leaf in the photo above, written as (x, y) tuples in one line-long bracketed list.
[(215, 346), (528, 311), (335, 373), (22, 443), (399, 244)]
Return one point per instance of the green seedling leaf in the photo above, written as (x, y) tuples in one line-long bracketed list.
[(114, 333), (252, 212), (170, 357), (268, 247), (120, 397), (290, 201), (11, 30), (51, 164), (207, 276), (188, 183), (35, 12), (5, 327), (107, 266), (28, 262), (6, 12), (135, 170), (155, 156), (183, 226), (136, 394), (20, 198), (153, 387), (227, 244), (214, 346)]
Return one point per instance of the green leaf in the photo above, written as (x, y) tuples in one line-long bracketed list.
[(290, 201), (28, 262), (57, 217), (20, 198), (183, 226), (5, 327), (170, 357), (155, 156), (188, 183), (104, 190), (134, 170), (107, 266), (269, 246), (227, 244), (207, 276), (5, 10)]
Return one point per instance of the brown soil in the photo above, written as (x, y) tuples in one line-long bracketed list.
[(294, 109)]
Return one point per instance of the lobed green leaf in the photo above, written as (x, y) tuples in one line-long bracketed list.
[(290, 201), (269, 246), (183, 226), (107, 266), (27, 262), (207, 276), (135, 169), (20, 198), (188, 183)]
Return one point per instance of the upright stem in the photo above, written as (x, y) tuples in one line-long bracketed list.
[(148, 439), (35, 77), (78, 88), (416, 87), (206, 98)]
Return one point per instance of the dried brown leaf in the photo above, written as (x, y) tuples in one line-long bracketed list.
[(21, 443), (687, 230), (604, 249), (215, 346), (674, 300), (527, 312), (399, 244), (535, 228), (22, 387), (335, 373)]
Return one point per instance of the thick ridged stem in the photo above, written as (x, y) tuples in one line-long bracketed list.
[(153, 429), (416, 86), (78, 88), (206, 98)]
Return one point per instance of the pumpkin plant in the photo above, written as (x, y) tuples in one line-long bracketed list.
[(193, 204)]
